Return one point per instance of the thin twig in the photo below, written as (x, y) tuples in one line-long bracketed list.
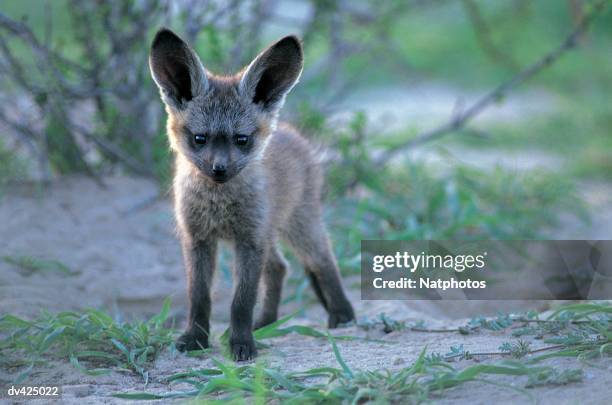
[(551, 321), (44, 57), (483, 36), (425, 330), (470, 354), (524, 320), (114, 152)]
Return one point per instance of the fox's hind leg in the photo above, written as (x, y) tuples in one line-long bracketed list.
[(309, 238), (273, 274)]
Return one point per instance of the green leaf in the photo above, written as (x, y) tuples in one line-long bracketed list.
[(339, 358), (24, 374), (50, 338), (162, 316)]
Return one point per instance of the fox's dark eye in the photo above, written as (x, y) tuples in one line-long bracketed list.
[(200, 139), (242, 140)]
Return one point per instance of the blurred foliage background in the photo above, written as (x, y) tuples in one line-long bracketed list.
[(76, 97)]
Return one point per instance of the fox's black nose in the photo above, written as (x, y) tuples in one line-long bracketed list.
[(219, 169)]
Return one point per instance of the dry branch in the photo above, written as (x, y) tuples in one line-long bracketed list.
[(462, 117), (106, 67)]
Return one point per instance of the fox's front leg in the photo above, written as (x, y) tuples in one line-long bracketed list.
[(250, 258), (199, 259)]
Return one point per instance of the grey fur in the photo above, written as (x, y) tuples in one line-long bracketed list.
[(270, 188)]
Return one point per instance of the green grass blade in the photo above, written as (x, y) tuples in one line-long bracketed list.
[(338, 356)]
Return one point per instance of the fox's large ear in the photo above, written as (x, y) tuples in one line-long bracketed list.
[(268, 79), (176, 69)]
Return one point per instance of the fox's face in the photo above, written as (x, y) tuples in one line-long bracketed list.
[(221, 124)]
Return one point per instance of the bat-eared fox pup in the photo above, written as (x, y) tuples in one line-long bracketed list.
[(242, 177)]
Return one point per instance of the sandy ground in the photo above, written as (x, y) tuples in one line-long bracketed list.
[(126, 259)]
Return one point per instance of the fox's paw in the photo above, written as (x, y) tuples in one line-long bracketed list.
[(340, 317), (191, 341), (243, 349)]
